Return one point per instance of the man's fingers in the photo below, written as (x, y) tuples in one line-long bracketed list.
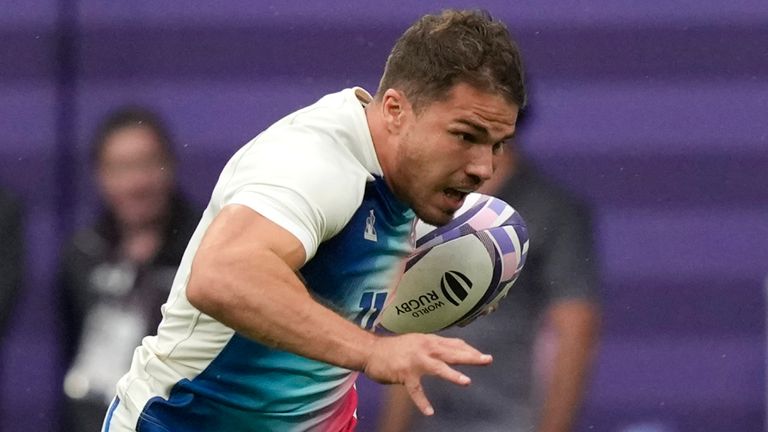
[(416, 391), (462, 353), (449, 374)]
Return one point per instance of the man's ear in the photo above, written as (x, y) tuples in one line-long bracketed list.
[(395, 107)]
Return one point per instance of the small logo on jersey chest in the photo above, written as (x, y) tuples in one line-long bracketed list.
[(370, 229)]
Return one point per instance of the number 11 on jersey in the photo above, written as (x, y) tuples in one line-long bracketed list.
[(371, 304)]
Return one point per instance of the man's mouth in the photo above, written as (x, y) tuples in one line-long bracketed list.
[(456, 195)]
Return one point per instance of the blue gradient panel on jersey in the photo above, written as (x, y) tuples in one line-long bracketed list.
[(249, 386), (353, 270)]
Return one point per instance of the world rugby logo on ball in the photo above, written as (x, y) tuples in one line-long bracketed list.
[(456, 283), (454, 287), (460, 270)]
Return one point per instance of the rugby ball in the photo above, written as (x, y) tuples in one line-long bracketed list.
[(458, 271)]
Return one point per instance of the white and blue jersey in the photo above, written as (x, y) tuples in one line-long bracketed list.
[(315, 173)]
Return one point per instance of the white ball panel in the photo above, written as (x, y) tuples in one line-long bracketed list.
[(421, 304)]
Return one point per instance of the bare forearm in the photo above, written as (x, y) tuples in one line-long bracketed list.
[(576, 326), (397, 414), (565, 390), (264, 300)]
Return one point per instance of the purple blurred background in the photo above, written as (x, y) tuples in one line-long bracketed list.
[(656, 112)]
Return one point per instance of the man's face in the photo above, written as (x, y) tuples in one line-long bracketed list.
[(135, 176), (449, 149)]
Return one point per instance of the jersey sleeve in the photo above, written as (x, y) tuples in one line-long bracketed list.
[(309, 187)]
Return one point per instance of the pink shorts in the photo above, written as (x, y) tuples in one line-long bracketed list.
[(345, 419)]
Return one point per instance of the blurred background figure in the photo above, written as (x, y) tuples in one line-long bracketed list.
[(11, 264), (11, 251), (557, 291), (116, 273)]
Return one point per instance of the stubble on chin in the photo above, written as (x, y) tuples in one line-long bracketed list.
[(436, 218)]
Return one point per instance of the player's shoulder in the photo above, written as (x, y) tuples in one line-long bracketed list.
[(334, 126), (337, 118), (328, 140), (317, 160)]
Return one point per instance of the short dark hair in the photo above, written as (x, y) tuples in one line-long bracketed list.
[(130, 116), (440, 51)]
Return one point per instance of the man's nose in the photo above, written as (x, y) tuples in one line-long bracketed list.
[(480, 166)]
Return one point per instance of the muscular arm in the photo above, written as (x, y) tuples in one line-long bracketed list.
[(575, 324), (243, 275)]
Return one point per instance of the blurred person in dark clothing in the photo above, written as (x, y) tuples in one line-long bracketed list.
[(11, 263), (11, 251), (557, 291), (116, 273)]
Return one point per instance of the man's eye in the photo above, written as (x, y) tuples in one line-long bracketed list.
[(499, 147), (465, 137)]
